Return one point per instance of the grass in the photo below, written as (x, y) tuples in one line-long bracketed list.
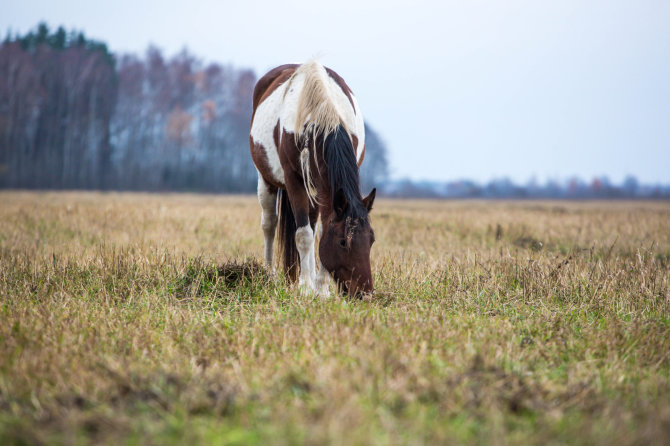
[(147, 319)]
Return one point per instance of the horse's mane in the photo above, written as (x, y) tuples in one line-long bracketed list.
[(343, 171), (316, 114)]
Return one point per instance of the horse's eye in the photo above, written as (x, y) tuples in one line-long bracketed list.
[(343, 243)]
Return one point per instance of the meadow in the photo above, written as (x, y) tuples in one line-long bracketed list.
[(148, 319)]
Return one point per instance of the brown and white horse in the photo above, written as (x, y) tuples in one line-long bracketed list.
[(307, 141)]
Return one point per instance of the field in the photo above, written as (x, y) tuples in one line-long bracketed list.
[(146, 319)]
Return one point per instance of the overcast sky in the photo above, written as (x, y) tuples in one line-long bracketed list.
[(457, 89)]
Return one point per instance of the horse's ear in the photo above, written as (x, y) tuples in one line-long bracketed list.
[(340, 203), (367, 201)]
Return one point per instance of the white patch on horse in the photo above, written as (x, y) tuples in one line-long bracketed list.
[(262, 129), (304, 240), (360, 130), (288, 111), (323, 277)]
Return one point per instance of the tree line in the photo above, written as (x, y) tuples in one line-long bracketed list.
[(73, 115), (503, 188)]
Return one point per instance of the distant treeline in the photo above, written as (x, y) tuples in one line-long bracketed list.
[(574, 188), (75, 116)]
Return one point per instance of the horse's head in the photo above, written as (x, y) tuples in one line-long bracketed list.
[(345, 244)]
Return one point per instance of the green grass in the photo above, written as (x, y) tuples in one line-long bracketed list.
[(169, 332)]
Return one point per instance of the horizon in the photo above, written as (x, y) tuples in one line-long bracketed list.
[(526, 90)]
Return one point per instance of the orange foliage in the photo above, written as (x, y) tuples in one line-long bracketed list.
[(208, 111), (179, 125)]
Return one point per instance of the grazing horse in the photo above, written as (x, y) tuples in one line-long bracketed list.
[(307, 140)]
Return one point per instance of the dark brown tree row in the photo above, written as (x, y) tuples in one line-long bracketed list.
[(57, 96), (73, 116)]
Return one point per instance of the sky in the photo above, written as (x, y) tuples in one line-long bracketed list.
[(457, 89)]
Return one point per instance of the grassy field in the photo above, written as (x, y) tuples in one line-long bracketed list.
[(145, 319)]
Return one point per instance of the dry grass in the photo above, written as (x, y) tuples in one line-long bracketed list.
[(128, 318)]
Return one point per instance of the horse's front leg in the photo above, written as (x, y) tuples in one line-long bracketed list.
[(304, 239), (304, 234), (322, 276)]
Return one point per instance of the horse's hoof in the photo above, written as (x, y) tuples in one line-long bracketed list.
[(323, 292)]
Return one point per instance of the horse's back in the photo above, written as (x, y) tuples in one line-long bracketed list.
[(275, 109)]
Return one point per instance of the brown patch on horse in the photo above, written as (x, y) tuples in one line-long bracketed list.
[(275, 134), (263, 165), (260, 158), (343, 85), (287, 148), (354, 142), (360, 161)]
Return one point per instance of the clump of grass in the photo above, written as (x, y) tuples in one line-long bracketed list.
[(200, 279), (528, 243)]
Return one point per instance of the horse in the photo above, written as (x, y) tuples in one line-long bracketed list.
[(307, 141)]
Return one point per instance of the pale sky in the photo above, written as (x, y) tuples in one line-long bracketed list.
[(457, 89)]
